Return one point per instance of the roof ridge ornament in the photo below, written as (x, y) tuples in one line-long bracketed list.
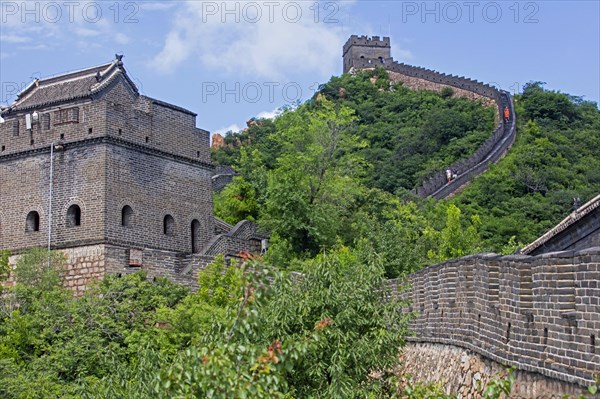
[(119, 59)]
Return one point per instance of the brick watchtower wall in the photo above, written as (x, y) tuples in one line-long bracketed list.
[(114, 148), (361, 48)]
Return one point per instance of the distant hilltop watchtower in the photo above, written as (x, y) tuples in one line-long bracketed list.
[(360, 48)]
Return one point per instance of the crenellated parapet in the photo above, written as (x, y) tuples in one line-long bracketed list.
[(538, 313)]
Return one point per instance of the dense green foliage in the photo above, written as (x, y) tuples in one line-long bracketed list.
[(326, 172), (555, 159), (248, 332), (315, 194), (406, 135), (4, 267)]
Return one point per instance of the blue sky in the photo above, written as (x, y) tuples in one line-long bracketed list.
[(230, 61)]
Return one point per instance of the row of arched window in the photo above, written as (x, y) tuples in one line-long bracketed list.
[(168, 226), (127, 221), (73, 218), (32, 222)]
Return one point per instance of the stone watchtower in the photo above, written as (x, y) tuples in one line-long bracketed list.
[(361, 50), (86, 160)]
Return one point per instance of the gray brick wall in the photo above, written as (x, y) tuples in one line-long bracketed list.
[(540, 313), (79, 179), (119, 148), (363, 47), (155, 187)]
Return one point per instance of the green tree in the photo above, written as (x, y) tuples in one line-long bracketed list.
[(354, 330), (394, 229), (233, 359), (315, 183), (454, 240), (237, 201)]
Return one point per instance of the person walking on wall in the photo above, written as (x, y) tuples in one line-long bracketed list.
[(506, 113)]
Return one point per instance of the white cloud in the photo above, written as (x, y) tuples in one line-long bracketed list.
[(122, 38), (173, 53), (405, 55), (231, 128), (155, 6), (276, 44), (269, 114), (85, 32), (62, 23), (14, 39)]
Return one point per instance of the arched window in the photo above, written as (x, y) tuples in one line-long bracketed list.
[(33, 222), (195, 236), (127, 216), (74, 216), (168, 225)]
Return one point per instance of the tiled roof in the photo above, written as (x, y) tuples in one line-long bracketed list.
[(573, 218), (69, 86)]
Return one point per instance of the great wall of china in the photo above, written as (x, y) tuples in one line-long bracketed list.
[(474, 315), (539, 313), (362, 52)]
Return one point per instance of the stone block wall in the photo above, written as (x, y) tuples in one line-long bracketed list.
[(416, 83), (540, 314), (83, 265), (465, 373)]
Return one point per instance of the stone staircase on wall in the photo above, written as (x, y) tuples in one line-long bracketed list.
[(492, 150)]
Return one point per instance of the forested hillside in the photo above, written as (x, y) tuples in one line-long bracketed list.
[(340, 167), (406, 135), (555, 159)]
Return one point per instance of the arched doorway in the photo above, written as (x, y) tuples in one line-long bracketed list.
[(195, 236)]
